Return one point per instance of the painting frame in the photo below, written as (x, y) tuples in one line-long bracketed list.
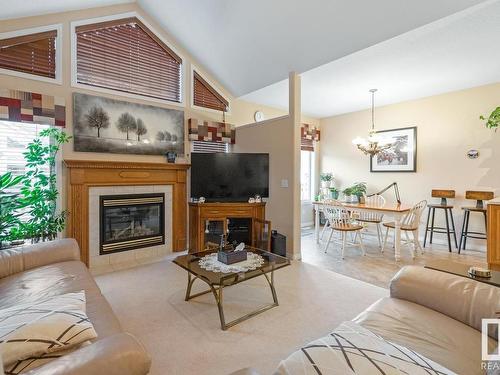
[(411, 159), (111, 125)]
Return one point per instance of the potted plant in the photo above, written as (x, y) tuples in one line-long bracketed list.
[(355, 193), (334, 193), (359, 191), (9, 208), (326, 179), (347, 194), (493, 121), (39, 190)]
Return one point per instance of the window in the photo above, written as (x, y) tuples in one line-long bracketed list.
[(124, 55), (206, 96), (306, 175), (32, 53), (19, 134), (202, 146)]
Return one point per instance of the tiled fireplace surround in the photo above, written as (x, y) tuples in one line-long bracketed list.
[(88, 179), (108, 262)]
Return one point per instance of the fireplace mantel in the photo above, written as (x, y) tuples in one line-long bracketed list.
[(84, 174)]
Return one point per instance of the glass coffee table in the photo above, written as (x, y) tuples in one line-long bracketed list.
[(217, 281)]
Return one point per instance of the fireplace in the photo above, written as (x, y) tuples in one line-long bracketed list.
[(131, 221)]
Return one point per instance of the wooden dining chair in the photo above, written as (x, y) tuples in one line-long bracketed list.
[(373, 217), (409, 223), (326, 202), (341, 221)]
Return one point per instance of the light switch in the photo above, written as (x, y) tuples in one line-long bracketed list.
[(284, 183)]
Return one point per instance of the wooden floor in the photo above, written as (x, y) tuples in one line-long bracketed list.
[(376, 268)]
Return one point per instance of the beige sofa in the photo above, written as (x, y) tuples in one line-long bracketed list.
[(52, 268), (435, 314)]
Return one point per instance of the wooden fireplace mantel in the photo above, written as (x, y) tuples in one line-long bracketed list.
[(84, 174)]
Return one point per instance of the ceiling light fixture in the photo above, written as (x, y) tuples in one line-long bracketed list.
[(374, 144)]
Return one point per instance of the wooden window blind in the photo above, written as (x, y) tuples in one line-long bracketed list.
[(306, 144), (206, 147), (125, 55), (206, 96), (33, 54)]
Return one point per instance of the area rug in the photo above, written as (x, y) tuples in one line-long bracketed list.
[(185, 337)]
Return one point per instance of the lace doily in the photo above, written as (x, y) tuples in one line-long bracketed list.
[(210, 263)]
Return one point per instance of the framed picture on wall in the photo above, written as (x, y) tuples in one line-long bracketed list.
[(402, 156), (108, 125)]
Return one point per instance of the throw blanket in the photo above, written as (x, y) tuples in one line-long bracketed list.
[(352, 349)]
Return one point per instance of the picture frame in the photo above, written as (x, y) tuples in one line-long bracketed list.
[(402, 156), (102, 124)]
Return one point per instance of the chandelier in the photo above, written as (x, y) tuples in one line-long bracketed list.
[(375, 143)]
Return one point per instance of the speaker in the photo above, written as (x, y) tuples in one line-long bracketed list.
[(278, 243)]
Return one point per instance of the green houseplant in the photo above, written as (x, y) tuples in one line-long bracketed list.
[(358, 190), (326, 179), (9, 207), (493, 121), (39, 190), (334, 193)]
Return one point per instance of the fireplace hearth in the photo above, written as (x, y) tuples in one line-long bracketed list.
[(131, 221)]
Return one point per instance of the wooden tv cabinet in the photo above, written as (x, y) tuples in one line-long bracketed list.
[(202, 214)]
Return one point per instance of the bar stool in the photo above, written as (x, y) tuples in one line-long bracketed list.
[(480, 197), (444, 195)]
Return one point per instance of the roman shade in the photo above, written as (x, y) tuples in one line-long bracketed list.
[(206, 96), (125, 55), (33, 54)]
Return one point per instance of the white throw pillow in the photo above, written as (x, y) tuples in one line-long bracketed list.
[(53, 324)]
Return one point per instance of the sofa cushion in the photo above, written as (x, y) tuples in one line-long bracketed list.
[(461, 298), (34, 328), (59, 278), (351, 349), (440, 338)]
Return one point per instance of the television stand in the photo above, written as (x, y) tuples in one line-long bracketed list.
[(208, 221)]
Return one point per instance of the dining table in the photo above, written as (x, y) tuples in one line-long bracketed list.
[(395, 210)]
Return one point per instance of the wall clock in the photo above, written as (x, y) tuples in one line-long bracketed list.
[(258, 116)]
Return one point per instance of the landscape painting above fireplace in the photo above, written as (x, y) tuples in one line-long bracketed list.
[(108, 125)]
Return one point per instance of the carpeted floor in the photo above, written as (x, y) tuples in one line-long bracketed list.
[(185, 337)]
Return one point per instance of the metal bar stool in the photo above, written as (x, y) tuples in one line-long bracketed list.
[(448, 209), (480, 197)]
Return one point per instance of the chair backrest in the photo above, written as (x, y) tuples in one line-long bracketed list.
[(373, 200), (443, 194), (412, 218), (336, 214), (479, 196)]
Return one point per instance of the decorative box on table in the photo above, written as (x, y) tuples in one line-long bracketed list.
[(230, 257)]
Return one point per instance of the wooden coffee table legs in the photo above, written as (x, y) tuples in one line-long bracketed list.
[(218, 295)]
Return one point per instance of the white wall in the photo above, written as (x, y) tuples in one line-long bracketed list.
[(448, 126)]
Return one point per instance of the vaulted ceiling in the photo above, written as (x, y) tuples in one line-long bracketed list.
[(341, 47)]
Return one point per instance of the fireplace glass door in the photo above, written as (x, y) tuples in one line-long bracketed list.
[(131, 221)]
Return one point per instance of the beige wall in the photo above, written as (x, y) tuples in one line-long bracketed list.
[(274, 137), (448, 126), (241, 112)]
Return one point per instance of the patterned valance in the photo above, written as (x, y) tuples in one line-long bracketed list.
[(21, 106), (211, 131), (308, 135), (309, 132)]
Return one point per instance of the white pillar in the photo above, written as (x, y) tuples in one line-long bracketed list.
[(295, 119)]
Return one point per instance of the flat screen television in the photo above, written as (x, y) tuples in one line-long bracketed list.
[(229, 177)]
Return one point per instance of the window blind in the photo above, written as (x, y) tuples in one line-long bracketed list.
[(125, 55), (306, 144), (203, 146), (206, 96), (33, 54)]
